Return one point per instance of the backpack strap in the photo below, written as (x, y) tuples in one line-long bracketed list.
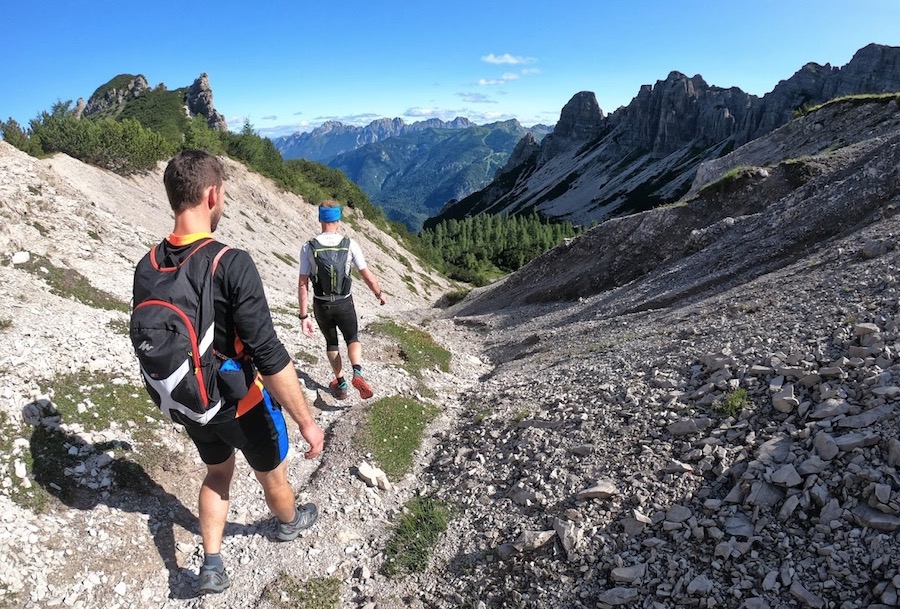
[(169, 269), (215, 263)]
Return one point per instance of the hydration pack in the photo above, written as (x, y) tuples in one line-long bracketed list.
[(331, 270), (172, 331)]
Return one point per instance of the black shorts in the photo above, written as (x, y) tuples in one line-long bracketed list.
[(336, 315), (260, 434)]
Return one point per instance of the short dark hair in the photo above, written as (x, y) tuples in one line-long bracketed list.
[(188, 174)]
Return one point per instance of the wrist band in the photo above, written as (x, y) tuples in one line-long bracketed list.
[(302, 317)]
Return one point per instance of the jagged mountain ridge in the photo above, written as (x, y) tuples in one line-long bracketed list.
[(333, 137), (595, 166)]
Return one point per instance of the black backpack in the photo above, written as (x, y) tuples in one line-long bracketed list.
[(331, 271), (172, 331)]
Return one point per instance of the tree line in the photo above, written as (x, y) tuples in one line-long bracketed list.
[(479, 249)]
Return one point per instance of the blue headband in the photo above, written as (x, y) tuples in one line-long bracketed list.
[(329, 214)]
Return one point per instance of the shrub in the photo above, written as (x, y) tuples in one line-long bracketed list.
[(121, 146), (734, 403)]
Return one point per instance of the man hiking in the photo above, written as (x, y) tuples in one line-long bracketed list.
[(326, 260), (248, 414)]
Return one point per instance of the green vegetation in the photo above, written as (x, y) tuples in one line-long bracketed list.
[(416, 347), (96, 402), (152, 127), (394, 432), (5, 323), (286, 258), (161, 112), (69, 283), (99, 401), (863, 98), (119, 326), (418, 531), (306, 358), (123, 146), (730, 176), (287, 592), (480, 249), (734, 403)]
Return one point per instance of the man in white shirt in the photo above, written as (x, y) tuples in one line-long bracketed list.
[(326, 260)]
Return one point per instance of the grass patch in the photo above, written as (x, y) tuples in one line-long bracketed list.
[(55, 449), (40, 228), (97, 401), (119, 326), (69, 283), (418, 531), (456, 296), (94, 235), (286, 258), (306, 358), (409, 283), (393, 432), (5, 323), (730, 176), (862, 98), (417, 349), (734, 403), (315, 593), (481, 415)]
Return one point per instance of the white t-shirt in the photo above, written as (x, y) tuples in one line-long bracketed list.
[(330, 239)]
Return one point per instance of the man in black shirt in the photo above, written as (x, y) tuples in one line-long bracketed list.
[(245, 335)]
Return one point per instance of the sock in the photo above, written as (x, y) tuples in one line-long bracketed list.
[(215, 561), (342, 380), (357, 369), (296, 517)]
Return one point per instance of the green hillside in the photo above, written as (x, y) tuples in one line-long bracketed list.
[(413, 176)]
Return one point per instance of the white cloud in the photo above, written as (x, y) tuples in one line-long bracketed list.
[(476, 98), (506, 58), (271, 117), (508, 76), (530, 71)]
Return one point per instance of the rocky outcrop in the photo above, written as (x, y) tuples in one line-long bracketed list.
[(115, 94), (199, 101), (524, 152), (581, 120)]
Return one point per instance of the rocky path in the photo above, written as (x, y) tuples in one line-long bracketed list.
[(134, 542)]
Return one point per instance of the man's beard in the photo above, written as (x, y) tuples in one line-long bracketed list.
[(216, 216)]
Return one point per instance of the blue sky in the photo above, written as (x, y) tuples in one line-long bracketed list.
[(289, 66)]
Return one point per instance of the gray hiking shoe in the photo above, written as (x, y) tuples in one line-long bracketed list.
[(212, 580), (306, 516)]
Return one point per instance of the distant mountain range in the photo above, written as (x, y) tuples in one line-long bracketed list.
[(594, 167), (412, 170)]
